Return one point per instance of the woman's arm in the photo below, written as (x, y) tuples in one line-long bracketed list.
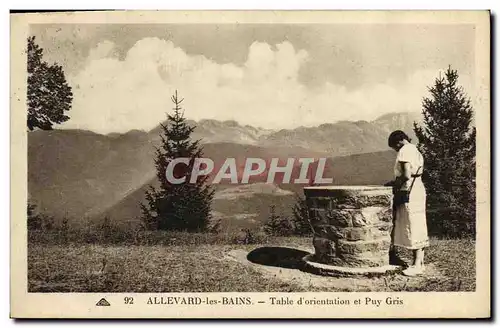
[(401, 180)]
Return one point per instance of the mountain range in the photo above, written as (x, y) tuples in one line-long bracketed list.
[(82, 175), (336, 139)]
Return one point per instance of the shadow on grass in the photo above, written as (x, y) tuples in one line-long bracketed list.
[(282, 257)]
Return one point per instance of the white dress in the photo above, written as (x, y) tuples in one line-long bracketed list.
[(410, 227)]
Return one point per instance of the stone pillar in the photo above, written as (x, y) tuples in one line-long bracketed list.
[(352, 224)]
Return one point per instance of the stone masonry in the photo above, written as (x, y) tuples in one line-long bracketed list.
[(352, 224)]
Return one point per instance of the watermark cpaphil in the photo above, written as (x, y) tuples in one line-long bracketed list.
[(274, 170)]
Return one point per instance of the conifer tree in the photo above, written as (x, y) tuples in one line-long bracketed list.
[(447, 141), (185, 206), (278, 225)]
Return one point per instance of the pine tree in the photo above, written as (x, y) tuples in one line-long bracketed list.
[(49, 95), (447, 141), (278, 225), (185, 206)]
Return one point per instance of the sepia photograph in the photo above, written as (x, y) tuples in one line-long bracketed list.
[(250, 156)]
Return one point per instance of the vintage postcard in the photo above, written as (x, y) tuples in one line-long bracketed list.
[(250, 164)]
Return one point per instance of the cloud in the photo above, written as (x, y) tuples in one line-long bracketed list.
[(113, 95)]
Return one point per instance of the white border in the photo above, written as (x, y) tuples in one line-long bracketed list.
[(185, 4)]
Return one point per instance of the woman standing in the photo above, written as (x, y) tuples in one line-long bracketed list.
[(410, 224)]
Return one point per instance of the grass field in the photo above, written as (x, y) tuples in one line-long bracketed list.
[(198, 266)]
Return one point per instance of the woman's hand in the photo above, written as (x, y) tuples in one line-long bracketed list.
[(399, 183)]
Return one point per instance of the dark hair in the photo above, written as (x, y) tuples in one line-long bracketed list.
[(397, 136)]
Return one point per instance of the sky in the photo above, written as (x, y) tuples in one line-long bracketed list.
[(271, 76)]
